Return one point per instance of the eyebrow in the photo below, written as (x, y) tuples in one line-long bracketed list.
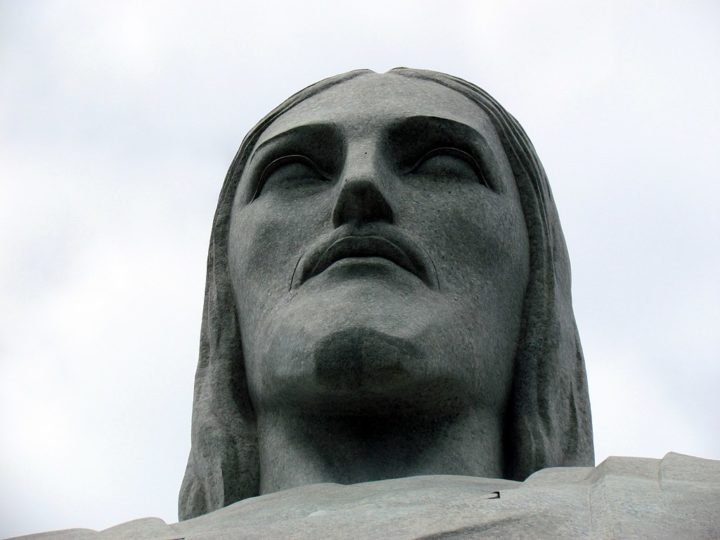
[(298, 133), (436, 126)]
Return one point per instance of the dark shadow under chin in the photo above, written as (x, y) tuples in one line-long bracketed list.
[(362, 358)]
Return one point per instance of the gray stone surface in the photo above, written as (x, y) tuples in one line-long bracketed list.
[(676, 497), (388, 295)]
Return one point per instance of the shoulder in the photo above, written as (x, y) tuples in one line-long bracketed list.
[(677, 496)]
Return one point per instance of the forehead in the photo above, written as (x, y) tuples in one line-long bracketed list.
[(374, 100)]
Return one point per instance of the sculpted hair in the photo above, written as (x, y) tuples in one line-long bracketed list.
[(548, 421)]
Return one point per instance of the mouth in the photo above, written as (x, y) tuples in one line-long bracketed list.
[(393, 248)]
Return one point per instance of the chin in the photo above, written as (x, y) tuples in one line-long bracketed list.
[(362, 358), (381, 357), (362, 371)]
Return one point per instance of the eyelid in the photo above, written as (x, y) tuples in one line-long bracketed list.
[(277, 162), (456, 152)]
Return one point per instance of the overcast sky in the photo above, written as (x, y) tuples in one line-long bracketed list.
[(118, 121)]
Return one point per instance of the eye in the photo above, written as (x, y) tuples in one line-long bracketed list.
[(448, 163), (291, 172)]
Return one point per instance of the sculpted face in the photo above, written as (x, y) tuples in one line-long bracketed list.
[(379, 255), (370, 311)]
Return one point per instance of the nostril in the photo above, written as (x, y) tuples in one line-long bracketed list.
[(361, 201)]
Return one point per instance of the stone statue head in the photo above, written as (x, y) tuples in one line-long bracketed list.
[(387, 294)]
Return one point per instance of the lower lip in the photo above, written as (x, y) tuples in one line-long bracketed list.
[(358, 264)]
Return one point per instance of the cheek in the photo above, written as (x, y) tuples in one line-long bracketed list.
[(481, 251), (264, 245), (492, 250), (478, 242)]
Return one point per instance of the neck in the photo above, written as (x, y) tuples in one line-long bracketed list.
[(298, 450)]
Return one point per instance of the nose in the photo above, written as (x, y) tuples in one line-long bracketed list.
[(361, 201), (361, 198)]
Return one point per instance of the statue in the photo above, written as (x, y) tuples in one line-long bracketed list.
[(388, 347), (388, 294)]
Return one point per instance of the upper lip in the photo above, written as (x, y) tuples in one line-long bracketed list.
[(386, 242)]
